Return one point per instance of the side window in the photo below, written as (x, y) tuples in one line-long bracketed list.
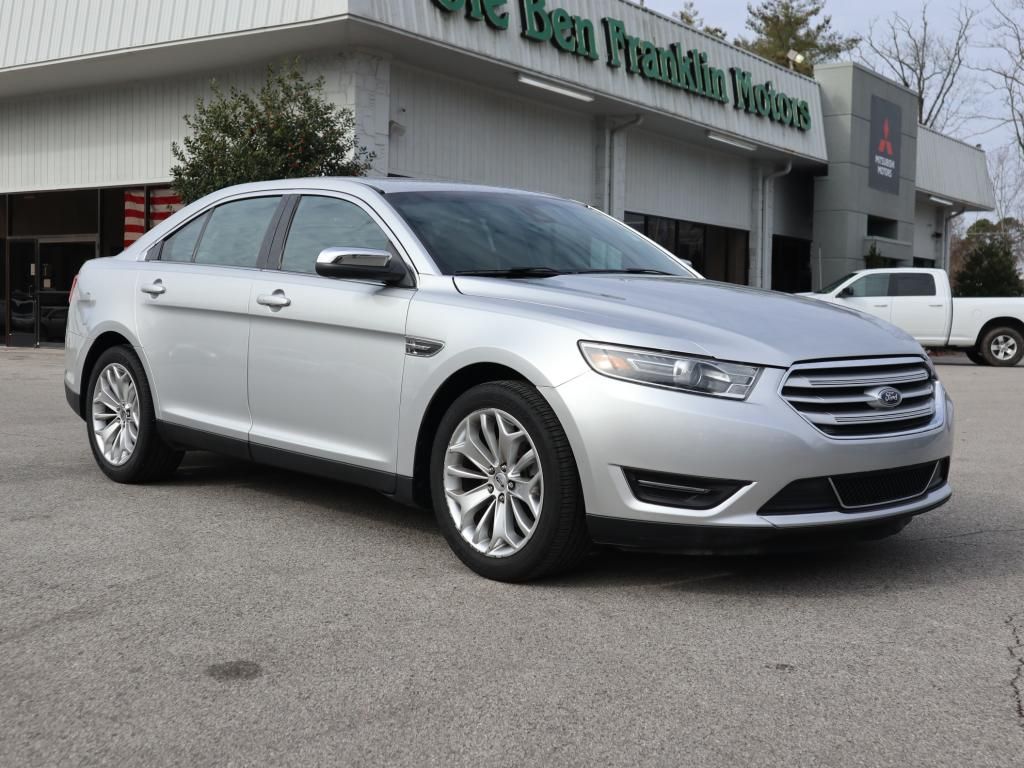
[(911, 284), (327, 222), (235, 232), (869, 285), (181, 245)]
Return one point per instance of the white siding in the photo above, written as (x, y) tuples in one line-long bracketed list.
[(33, 31), (953, 170), (683, 181), (451, 131), (110, 136)]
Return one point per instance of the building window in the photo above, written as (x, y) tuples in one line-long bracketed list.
[(718, 253)]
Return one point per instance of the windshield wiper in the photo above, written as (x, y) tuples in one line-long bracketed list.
[(630, 271), (512, 273)]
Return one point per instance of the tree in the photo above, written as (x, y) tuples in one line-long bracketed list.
[(1006, 70), (780, 26), (287, 129), (932, 65), (691, 17), (990, 267)]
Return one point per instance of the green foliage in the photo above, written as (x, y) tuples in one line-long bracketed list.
[(874, 258), (990, 267), (287, 129), (690, 16), (783, 25)]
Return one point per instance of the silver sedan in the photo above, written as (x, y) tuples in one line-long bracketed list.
[(542, 376)]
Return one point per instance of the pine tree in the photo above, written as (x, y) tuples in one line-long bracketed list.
[(287, 129), (780, 26)]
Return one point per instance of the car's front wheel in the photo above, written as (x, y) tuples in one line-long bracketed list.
[(121, 421), (505, 487)]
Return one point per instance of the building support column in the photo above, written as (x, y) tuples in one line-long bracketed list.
[(612, 144), (365, 88), (763, 229)]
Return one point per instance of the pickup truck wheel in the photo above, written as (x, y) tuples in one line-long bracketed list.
[(121, 422), (976, 357), (1003, 347), (505, 488)]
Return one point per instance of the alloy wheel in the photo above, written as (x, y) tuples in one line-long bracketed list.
[(1003, 347), (115, 414), (493, 482)]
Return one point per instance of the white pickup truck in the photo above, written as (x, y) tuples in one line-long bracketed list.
[(920, 302)]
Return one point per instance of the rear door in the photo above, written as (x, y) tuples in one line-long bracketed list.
[(869, 294), (193, 314), (325, 369), (918, 308)]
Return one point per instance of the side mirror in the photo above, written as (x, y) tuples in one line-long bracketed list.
[(844, 294), (360, 264)]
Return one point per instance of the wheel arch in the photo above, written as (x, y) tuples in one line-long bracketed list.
[(999, 322), (113, 336), (458, 383)]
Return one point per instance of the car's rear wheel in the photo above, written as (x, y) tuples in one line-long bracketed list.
[(1003, 347), (121, 422), (505, 487), (976, 357)]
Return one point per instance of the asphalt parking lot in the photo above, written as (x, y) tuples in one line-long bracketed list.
[(243, 616)]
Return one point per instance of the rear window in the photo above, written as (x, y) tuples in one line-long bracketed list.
[(910, 284)]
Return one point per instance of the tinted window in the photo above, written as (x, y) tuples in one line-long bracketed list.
[(180, 245), (871, 285), (235, 232), (473, 231), (326, 222), (909, 284)]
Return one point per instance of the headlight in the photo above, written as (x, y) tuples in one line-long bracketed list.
[(663, 369)]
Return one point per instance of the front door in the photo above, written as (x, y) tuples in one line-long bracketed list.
[(869, 294), (325, 368)]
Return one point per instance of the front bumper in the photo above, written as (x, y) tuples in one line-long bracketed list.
[(614, 425)]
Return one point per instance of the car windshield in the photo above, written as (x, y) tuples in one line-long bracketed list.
[(835, 283), (507, 234)]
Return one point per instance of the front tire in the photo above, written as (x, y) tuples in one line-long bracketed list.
[(121, 422), (505, 487), (1003, 347)]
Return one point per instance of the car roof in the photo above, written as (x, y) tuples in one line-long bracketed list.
[(384, 186)]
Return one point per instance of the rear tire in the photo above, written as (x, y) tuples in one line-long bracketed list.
[(1003, 347), (505, 487), (121, 422)]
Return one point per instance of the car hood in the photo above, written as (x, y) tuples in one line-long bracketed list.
[(721, 320)]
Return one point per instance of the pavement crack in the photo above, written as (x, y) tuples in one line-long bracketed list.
[(1017, 654)]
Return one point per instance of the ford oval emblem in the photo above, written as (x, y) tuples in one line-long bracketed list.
[(888, 397)]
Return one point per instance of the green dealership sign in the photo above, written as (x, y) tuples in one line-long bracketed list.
[(688, 71)]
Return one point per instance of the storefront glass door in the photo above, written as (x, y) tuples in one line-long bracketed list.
[(41, 272), (23, 294)]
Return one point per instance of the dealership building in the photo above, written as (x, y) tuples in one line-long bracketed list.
[(756, 174)]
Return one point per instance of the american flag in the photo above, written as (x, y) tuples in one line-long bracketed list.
[(163, 202)]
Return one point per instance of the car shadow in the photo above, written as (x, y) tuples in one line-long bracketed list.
[(924, 554)]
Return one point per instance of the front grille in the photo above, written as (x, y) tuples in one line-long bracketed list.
[(854, 398), (859, 492)]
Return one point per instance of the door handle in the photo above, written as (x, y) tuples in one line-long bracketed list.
[(275, 300), (881, 306), (154, 289), (937, 306)]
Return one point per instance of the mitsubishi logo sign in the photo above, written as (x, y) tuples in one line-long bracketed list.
[(884, 149)]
